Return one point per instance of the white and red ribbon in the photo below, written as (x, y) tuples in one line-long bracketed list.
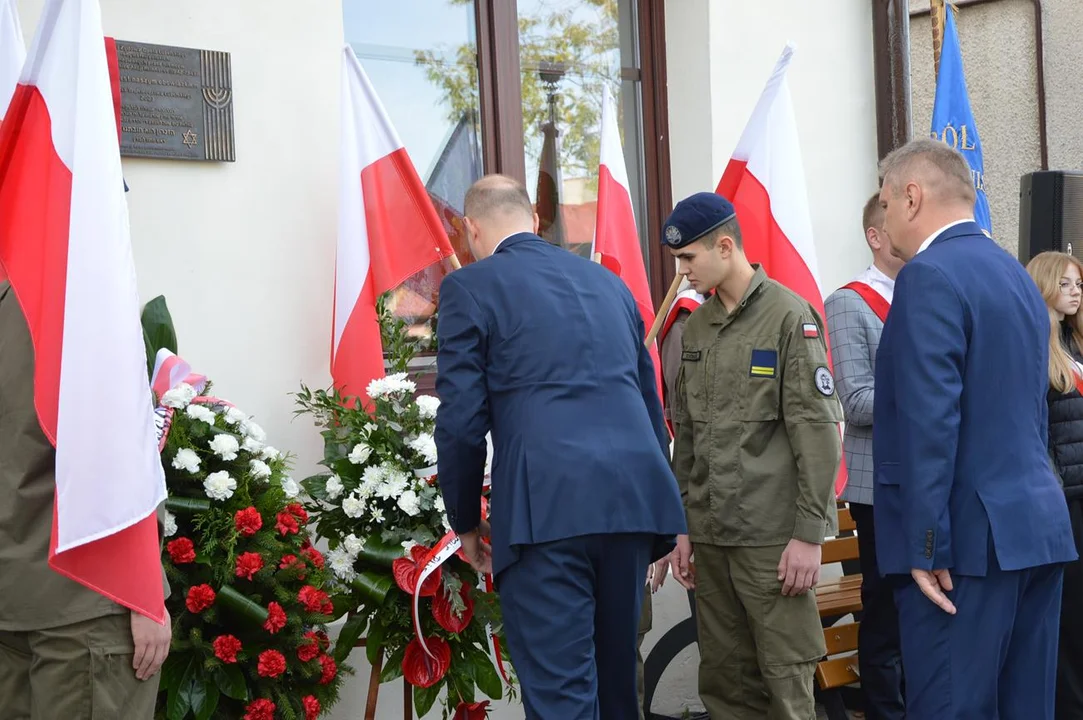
[(170, 371)]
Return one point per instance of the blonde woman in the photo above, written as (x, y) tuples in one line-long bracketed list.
[(1059, 277)]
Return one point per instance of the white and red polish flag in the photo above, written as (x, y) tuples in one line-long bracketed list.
[(12, 52), (765, 181), (388, 229), (615, 235), (66, 249)]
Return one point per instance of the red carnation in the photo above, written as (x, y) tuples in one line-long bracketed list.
[(314, 600), (248, 521), (271, 664), (330, 670), (407, 571), (419, 669), (292, 562), (312, 707), (226, 648), (260, 710), (200, 598), (248, 564), (314, 556), (297, 511), (311, 649), (276, 618), (446, 617), (181, 551), (472, 711), (287, 524)]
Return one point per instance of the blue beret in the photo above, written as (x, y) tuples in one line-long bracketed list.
[(694, 217)]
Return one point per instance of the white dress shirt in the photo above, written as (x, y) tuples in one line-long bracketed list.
[(935, 235), (878, 281)]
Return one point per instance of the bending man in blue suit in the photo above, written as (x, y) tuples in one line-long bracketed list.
[(545, 350), (970, 519)]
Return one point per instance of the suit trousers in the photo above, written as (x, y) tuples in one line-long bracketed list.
[(81, 671), (571, 613), (1070, 653), (996, 658), (878, 655)]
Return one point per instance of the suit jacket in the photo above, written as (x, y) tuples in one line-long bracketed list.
[(545, 349), (855, 330), (959, 431)]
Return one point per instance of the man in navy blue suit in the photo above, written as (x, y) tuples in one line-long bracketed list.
[(545, 350), (971, 523)]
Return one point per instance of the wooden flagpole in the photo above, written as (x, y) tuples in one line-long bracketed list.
[(937, 10), (667, 303)]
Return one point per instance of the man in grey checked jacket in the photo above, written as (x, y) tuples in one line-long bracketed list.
[(854, 325)]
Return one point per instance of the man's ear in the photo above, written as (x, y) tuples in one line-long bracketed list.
[(725, 245), (913, 199), (873, 238)]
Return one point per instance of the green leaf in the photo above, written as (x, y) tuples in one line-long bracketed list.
[(230, 599), (172, 671), (379, 553), (347, 638), (485, 675), (187, 506), (462, 685), (209, 703), (230, 680), (374, 642), (316, 487), (425, 697), (393, 667), (373, 585), (197, 693), (158, 330), (180, 702)]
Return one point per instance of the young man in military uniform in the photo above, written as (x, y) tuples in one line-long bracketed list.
[(66, 652), (756, 453)]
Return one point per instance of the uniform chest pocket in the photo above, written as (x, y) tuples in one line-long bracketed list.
[(760, 382), (694, 384)]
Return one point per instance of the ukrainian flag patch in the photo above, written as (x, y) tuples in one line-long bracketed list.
[(764, 363)]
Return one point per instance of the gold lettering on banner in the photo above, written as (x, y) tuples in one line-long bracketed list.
[(960, 140)]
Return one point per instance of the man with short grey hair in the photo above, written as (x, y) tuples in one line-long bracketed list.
[(971, 524)]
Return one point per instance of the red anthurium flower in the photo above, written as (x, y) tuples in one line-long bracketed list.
[(419, 669), (407, 570), (226, 648), (260, 710), (446, 617), (312, 707), (276, 618), (181, 551), (472, 711)]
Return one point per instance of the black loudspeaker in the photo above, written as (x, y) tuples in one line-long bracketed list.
[(1050, 213)]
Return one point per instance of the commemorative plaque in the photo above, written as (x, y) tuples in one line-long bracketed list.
[(176, 103)]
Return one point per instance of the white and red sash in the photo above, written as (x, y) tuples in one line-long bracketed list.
[(876, 302)]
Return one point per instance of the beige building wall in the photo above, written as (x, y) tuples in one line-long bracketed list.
[(998, 46)]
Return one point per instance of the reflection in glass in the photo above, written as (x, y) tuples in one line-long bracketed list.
[(569, 50), (423, 65)]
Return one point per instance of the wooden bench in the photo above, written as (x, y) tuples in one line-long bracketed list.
[(835, 599)]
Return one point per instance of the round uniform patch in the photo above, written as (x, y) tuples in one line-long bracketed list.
[(673, 235), (824, 382)]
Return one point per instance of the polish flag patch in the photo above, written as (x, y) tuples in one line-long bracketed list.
[(810, 330)]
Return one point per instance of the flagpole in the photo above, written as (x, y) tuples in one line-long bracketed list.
[(660, 316), (937, 10), (455, 264)]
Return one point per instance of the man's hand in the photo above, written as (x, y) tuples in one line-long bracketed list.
[(478, 552), (657, 574), (799, 568), (934, 583), (680, 561), (151, 645)]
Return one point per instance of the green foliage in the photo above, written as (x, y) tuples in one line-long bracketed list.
[(158, 331)]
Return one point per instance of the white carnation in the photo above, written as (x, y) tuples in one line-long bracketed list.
[(236, 417), (425, 446), (219, 486), (341, 563), (390, 385), (427, 405), (251, 445), (360, 453), (225, 446), (410, 503), (290, 487), (255, 432), (333, 487), (371, 480), (393, 486), (186, 460), (180, 396), (170, 524), (269, 453), (353, 544), (200, 412), (260, 470), (353, 506)]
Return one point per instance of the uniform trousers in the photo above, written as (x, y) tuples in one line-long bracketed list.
[(571, 610), (81, 671), (758, 648), (1070, 654), (995, 658)]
